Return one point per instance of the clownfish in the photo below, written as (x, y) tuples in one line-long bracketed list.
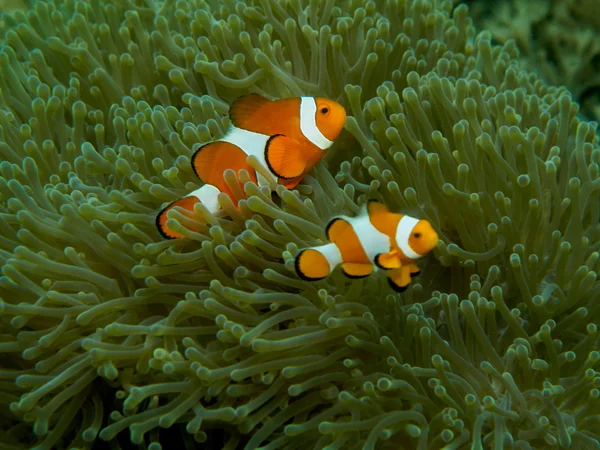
[(287, 136), (375, 238)]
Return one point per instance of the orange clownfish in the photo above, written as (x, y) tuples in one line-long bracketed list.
[(376, 238), (287, 136)]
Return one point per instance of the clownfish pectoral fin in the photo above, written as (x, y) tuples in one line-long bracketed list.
[(376, 207), (243, 108), (284, 156), (357, 270), (399, 279), (414, 270), (388, 261), (186, 203), (311, 265)]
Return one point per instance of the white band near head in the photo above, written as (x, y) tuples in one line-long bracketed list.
[(308, 123), (207, 195), (405, 227)]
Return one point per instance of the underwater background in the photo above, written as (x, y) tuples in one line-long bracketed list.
[(480, 117)]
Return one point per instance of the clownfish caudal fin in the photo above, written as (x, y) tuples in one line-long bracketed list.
[(314, 264), (243, 108), (284, 156), (186, 203), (357, 270), (399, 279), (388, 261), (207, 194)]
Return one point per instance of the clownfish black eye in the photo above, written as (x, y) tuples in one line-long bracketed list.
[(324, 110), (417, 235)]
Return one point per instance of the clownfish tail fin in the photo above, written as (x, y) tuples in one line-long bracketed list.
[(311, 265), (186, 203), (161, 222), (318, 262), (207, 194)]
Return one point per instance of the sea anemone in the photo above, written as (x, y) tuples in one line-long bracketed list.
[(106, 327)]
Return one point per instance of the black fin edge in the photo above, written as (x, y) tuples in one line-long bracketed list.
[(157, 221), (329, 225), (267, 158), (374, 200), (354, 277), (397, 288), (299, 272), (196, 153)]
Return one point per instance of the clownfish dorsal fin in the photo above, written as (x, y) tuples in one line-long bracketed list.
[(357, 270), (388, 261), (336, 228), (380, 216), (243, 108), (284, 156), (375, 207)]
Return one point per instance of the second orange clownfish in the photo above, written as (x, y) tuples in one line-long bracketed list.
[(288, 136), (376, 238)]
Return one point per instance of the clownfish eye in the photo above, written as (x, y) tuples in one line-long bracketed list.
[(324, 110), (417, 235)]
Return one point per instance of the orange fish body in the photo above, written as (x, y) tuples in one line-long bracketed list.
[(287, 136), (377, 238)]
